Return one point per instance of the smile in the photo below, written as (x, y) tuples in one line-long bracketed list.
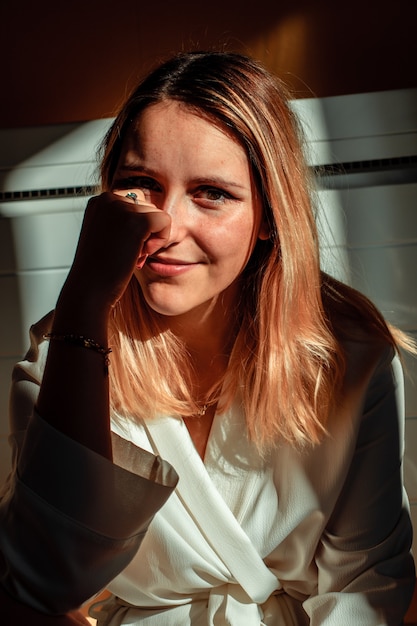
[(168, 267)]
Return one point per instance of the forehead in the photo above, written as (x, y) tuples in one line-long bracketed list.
[(172, 121)]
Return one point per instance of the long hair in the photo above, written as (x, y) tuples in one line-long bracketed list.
[(286, 362)]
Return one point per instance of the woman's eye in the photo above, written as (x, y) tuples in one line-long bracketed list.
[(139, 182), (213, 194), (149, 183)]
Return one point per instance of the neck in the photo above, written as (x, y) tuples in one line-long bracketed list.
[(207, 331), (208, 345)]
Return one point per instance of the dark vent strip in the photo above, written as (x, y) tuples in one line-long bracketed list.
[(36, 194), (359, 167)]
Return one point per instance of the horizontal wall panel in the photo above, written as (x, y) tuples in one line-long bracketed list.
[(359, 126), (388, 276), (369, 216), (45, 241), (33, 146), (38, 206), (26, 297), (380, 214), (383, 113), (36, 177)]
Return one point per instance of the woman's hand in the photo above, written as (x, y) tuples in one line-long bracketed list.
[(117, 235)]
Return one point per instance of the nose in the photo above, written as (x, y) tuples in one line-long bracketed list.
[(175, 204)]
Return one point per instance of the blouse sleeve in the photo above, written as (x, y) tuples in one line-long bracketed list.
[(366, 572), (70, 520)]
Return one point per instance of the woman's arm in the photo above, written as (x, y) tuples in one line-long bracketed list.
[(74, 391), (68, 521)]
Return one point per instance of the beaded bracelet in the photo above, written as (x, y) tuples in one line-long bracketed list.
[(83, 342)]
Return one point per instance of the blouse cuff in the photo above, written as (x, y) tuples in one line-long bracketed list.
[(114, 501), (70, 519)]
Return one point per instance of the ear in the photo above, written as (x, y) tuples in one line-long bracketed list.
[(264, 230)]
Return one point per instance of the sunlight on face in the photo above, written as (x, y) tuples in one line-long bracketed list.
[(200, 175)]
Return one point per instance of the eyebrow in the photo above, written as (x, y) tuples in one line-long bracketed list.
[(200, 180)]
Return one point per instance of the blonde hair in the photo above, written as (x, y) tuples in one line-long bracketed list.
[(286, 360)]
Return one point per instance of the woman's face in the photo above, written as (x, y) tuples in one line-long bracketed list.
[(200, 176)]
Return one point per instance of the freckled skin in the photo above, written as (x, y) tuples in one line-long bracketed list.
[(200, 176)]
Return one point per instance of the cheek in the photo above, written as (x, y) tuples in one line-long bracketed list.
[(237, 232), (231, 243)]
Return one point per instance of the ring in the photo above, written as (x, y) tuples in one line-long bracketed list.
[(132, 196)]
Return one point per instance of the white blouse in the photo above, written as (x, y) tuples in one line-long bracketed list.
[(316, 536)]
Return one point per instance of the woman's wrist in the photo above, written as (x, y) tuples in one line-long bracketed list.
[(81, 313), (82, 341)]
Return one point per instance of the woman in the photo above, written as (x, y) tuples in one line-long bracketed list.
[(272, 391)]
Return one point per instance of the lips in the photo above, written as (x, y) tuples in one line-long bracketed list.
[(167, 266)]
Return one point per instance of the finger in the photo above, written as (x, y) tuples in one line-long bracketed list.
[(159, 225), (159, 230), (135, 197)]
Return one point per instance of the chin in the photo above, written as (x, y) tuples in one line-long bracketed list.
[(169, 307), (169, 301), (171, 311)]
